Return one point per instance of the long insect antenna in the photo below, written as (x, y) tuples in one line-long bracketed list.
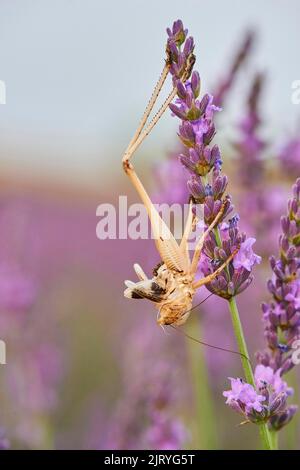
[(203, 343), (144, 129), (150, 104), (142, 133), (198, 305)]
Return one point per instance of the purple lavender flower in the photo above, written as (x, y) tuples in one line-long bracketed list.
[(177, 33), (282, 329), (4, 442), (246, 258), (207, 186), (238, 276), (258, 404), (282, 313), (180, 51), (242, 397), (266, 375)]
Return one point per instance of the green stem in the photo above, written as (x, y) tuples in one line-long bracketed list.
[(274, 437), (238, 331), (290, 431), (267, 441)]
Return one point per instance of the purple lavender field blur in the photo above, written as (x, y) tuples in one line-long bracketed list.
[(85, 367)]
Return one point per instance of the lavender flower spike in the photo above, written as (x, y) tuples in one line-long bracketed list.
[(282, 313), (239, 60), (282, 329), (208, 186)]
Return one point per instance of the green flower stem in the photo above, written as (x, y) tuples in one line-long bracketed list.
[(238, 331), (267, 441), (290, 432), (274, 437)]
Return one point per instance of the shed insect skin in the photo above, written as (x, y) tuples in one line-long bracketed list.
[(173, 284)]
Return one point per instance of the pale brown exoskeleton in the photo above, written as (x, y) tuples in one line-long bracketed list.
[(173, 284)]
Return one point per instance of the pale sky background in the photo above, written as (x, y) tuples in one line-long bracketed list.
[(79, 73)]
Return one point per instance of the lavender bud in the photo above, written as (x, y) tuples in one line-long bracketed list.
[(187, 163), (195, 83), (177, 111), (188, 46), (181, 91), (245, 285), (280, 420), (209, 135), (287, 366), (278, 403), (203, 104), (285, 224), (197, 189)]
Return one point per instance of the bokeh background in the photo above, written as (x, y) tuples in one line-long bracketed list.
[(87, 368)]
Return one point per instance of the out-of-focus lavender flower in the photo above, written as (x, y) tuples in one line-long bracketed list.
[(34, 378), (282, 313), (224, 86), (4, 442), (261, 202), (17, 289), (146, 417), (250, 145), (166, 433), (289, 157), (33, 382)]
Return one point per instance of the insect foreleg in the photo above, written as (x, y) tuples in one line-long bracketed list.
[(187, 231)]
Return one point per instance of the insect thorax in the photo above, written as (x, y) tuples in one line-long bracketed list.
[(174, 308)]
